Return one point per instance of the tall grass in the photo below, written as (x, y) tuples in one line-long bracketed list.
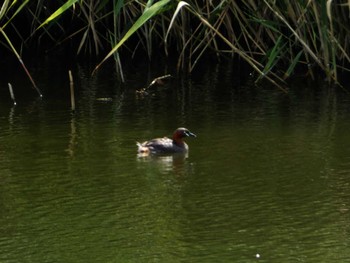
[(274, 37)]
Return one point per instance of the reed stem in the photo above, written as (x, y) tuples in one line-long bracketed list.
[(12, 94), (71, 84)]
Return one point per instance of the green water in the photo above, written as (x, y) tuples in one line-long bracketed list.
[(266, 179)]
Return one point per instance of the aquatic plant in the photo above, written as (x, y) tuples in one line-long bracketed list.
[(274, 37)]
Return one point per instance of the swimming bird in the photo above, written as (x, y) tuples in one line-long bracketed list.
[(166, 145)]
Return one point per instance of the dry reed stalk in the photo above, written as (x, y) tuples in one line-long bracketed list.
[(12, 94), (71, 85)]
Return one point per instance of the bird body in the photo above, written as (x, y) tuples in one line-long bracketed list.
[(166, 145)]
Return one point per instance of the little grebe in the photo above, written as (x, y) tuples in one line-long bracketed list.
[(166, 145)]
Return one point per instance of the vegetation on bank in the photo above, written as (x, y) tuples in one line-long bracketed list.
[(274, 37)]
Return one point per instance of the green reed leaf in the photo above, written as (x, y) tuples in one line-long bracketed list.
[(16, 12), (4, 8), (58, 12), (273, 57), (293, 64), (147, 14), (118, 6)]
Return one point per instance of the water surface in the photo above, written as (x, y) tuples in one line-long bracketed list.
[(266, 179)]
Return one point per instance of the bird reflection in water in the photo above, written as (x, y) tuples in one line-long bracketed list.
[(176, 163)]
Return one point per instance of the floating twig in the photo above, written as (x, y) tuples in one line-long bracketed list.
[(159, 80), (71, 84), (156, 81), (12, 94)]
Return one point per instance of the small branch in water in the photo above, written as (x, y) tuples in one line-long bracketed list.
[(12, 94), (156, 81), (71, 84)]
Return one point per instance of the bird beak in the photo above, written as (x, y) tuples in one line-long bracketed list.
[(190, 134)]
